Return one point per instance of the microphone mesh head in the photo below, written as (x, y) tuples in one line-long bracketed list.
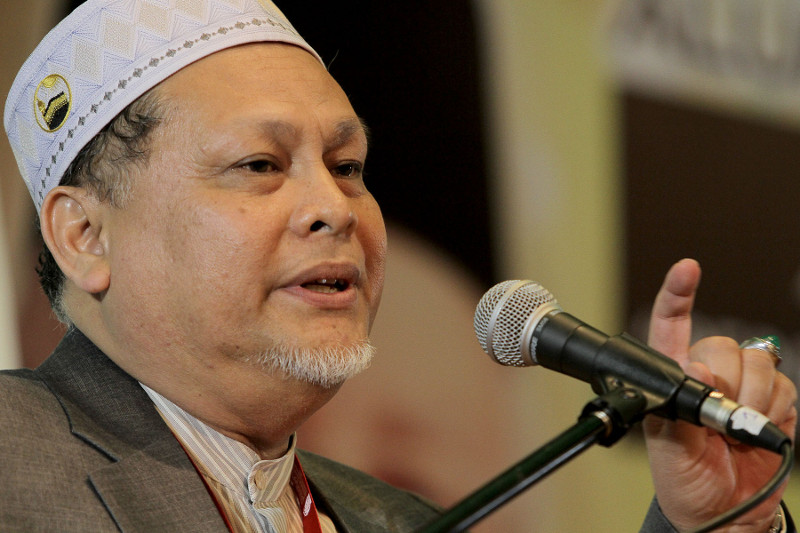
[(504, 319)]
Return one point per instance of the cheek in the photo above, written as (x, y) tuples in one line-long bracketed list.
[(373, 239), (209, 258), (376, 257), (223, 247)]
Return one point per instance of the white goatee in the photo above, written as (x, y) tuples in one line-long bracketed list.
[(326, 366)]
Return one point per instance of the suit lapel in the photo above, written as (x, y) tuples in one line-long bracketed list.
[(149, 483), (154, 489)]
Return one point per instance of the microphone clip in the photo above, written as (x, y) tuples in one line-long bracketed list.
[(618, 409)]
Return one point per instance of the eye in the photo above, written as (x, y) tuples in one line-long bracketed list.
[(259, 166), (350, 170)]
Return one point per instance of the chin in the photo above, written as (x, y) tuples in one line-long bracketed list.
[(327, 366)]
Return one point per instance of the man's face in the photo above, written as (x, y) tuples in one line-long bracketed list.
[(250, 226)]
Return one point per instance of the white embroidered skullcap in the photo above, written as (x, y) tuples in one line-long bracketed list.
[(104, 56)]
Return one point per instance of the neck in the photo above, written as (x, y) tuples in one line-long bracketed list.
[(240, 400), (264, 419)]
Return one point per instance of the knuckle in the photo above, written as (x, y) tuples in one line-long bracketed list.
[(785, 386), (716, 345)]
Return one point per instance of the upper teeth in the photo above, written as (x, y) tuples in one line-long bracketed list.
[(327, 285)]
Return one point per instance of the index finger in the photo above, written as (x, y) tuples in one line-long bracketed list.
[(671, 318)]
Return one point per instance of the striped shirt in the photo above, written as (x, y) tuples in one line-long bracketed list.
[(255, 495)]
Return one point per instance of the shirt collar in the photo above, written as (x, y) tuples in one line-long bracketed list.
[(225, 460)]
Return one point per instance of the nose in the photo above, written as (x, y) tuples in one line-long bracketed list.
[(322, 207)]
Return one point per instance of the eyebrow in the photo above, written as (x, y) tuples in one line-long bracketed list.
[(278, 129), (344, 131), (349, 128)]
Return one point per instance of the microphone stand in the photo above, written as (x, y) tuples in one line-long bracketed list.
[(604, 420)]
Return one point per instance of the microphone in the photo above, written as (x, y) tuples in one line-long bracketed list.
[(519, 323)]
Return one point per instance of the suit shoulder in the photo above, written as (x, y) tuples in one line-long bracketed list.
[(358, 497), (25, 401), (22, 382)]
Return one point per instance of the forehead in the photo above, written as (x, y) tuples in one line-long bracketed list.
[(257, 76)]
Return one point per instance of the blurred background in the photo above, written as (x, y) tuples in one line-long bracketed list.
[(587, 145)]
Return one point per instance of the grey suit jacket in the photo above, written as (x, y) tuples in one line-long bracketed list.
[(84, 449)]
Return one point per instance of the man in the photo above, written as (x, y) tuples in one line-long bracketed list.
[(199, 180)]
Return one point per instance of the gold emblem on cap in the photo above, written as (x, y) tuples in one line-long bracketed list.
[(52, 102)]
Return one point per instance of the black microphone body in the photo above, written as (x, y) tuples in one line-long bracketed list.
[(519, 323), (569, 346)]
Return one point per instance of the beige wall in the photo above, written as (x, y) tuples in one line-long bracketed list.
[(23, 23), (552, 114)]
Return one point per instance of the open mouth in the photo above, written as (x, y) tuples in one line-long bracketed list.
[(327, 286)]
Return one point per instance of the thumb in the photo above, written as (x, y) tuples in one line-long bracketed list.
[(671, 319)]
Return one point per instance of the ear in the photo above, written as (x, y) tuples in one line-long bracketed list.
[(71, 224)]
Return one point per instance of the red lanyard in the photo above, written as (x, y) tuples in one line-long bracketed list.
[(308, 509)]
